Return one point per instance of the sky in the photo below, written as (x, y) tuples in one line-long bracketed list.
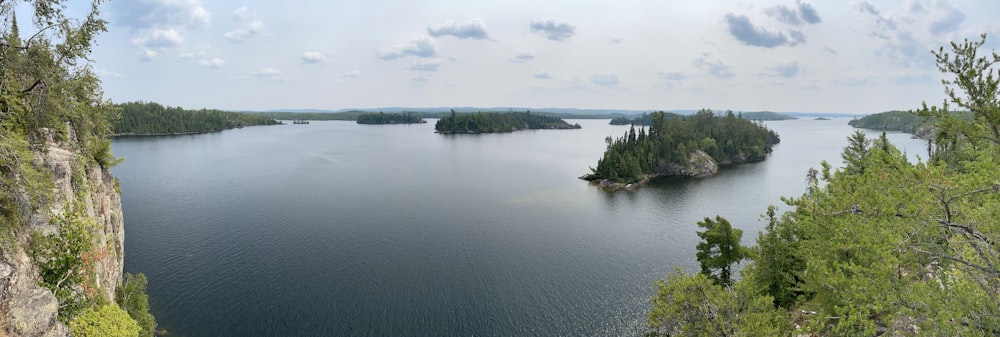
[(791, 56)]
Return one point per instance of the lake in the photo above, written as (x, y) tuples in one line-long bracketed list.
[(339, 229)]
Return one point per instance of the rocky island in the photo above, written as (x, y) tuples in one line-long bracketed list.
[(688, 146)]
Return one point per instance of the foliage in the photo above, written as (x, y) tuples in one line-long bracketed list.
[(673, 138), (720, 249), (882, 246), (693, 305), (149, 118), (645, 119), (494, 122), (47, 92), (391, 118), (61, 264), (131, 296), (104, 321)]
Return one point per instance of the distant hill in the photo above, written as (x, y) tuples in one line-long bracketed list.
[(765, 116)]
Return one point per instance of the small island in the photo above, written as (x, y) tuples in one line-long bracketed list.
[(496, 122), (691, 146), (647, 118), (822, 119), (154, 119), (389, 118)]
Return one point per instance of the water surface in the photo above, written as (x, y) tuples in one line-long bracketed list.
[(334, 228)]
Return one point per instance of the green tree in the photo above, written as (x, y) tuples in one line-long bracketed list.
[(60, 260), (104, 321), (720, 249), (855, 152), (694, 305), (131, 296)]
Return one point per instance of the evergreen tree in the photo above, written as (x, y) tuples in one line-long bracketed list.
[(720, 249)]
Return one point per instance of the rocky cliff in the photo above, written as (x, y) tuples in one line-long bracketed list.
[(29, 309), (699, 165)]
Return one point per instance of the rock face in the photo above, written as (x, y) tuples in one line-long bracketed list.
[(29, 309), (699, 165)]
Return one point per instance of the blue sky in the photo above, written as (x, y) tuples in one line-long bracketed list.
[(818, 56)]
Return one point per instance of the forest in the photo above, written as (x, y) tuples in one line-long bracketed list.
[(880, 246), (905, 121), (673, 138), (149, 118), (647, 118), (498, 122), (389, 118)]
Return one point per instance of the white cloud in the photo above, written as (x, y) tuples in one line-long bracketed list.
[(241, 13), (420, 79), (553, 29), (420, 46), (270, 74), (159, 39), (786, 70), (522, 56), (425, 65), (472, 29), (244, 33), (146, 14), (542, 75), (148, 54), (713, 66), (214, 62), (312, 57)]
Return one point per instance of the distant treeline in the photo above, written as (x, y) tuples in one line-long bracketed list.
[(673, 138), (389, 118), (647, 118), (903, 121), (149, 118), (495, 122), (353, 115)]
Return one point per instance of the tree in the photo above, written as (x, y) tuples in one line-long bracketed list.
[(855, 152), (693, 305), (131, 296), (720, 249)]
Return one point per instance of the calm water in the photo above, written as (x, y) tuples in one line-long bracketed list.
[(339, 229)]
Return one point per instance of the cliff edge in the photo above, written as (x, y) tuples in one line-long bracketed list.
[(29, 309)]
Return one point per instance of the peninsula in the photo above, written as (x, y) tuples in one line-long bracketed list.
[(154, 119), (496, 122), (691, 146)]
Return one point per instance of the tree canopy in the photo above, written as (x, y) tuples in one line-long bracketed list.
[(390, 118), (496, 122), (149, 118)]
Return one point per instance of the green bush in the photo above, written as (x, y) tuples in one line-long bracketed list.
[(104, 321)]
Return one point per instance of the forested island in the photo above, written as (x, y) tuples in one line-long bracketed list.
[(647, 118), (681, 146), (154, 119), (389, 118), (880, 247), (904, 121), (497, 122)]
